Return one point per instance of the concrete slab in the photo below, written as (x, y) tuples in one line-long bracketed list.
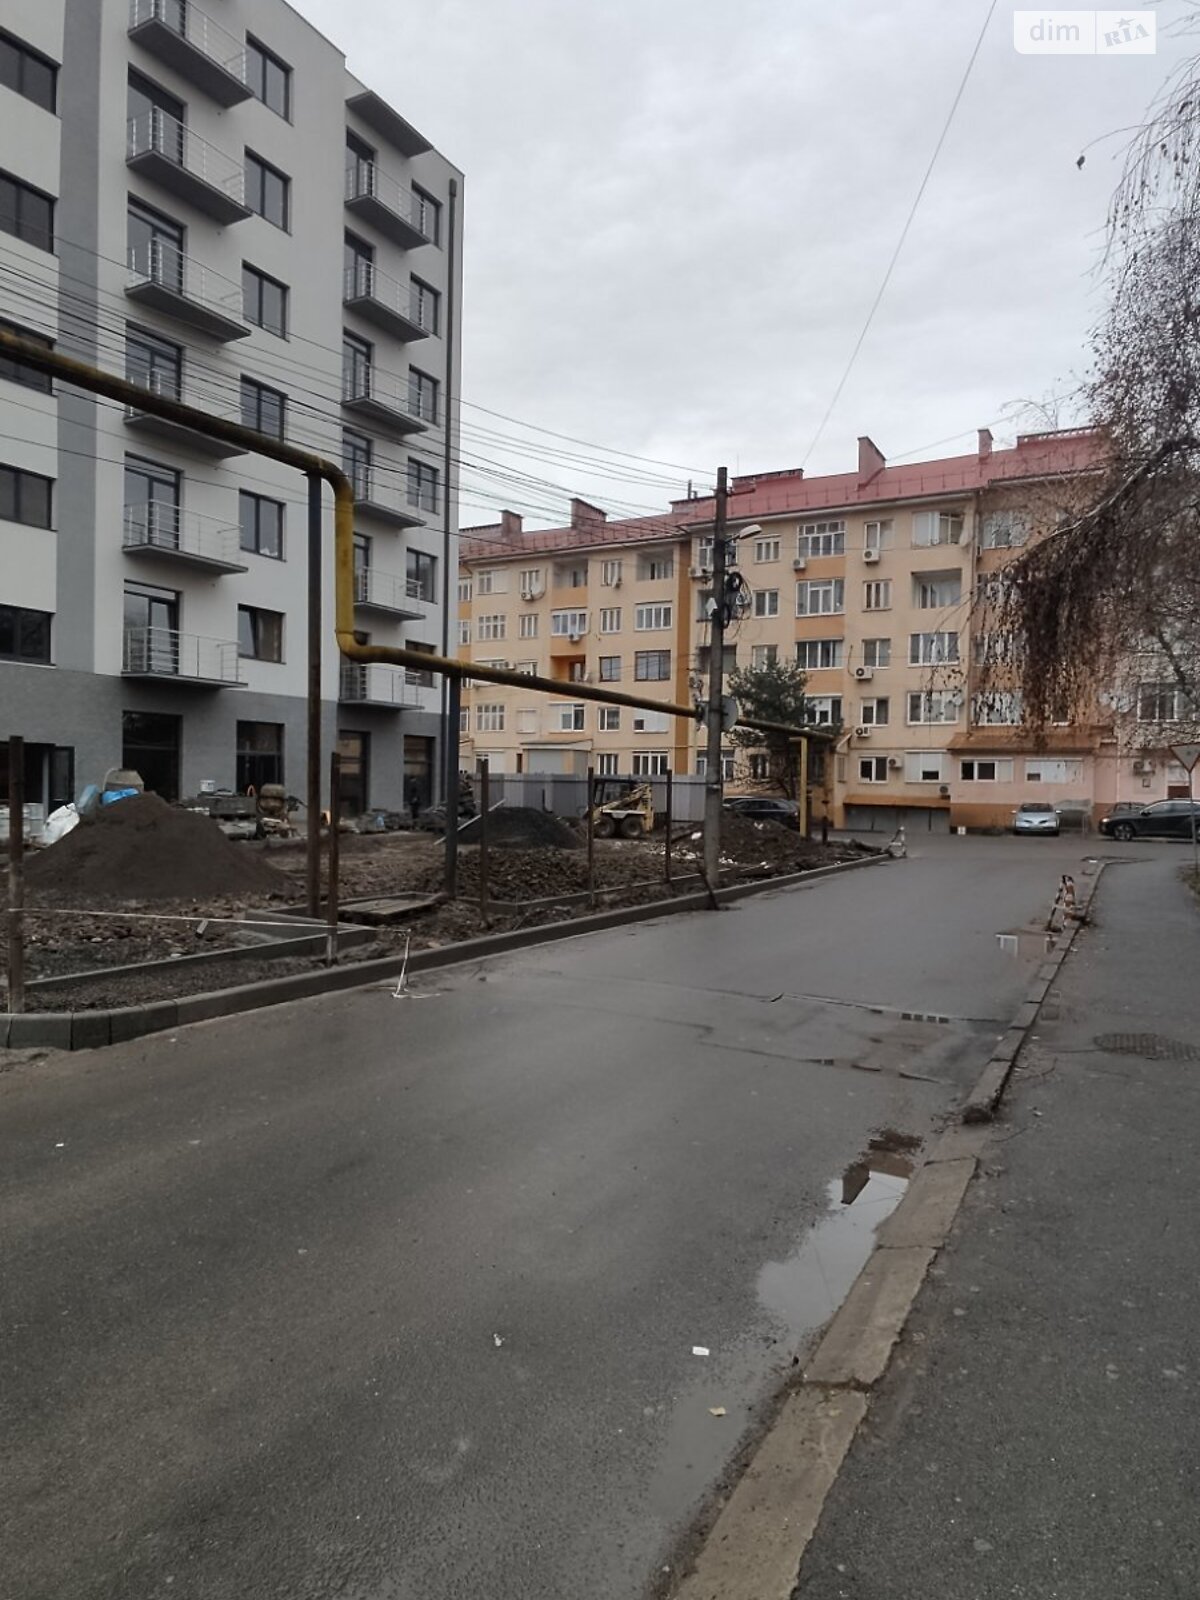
[(957, 1141), (132, 1022), (980, 1104), (856, 1348), (90, 1030), (49, 1028), (754, 1550), (926, 1213)]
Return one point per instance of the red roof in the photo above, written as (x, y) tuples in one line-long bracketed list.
[(1035, 455)]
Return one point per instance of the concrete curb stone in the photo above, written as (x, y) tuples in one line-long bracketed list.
[(858, 1342)]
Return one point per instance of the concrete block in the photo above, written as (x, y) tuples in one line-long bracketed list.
[(957, 1141), (858, 1343), (4, 1021), (132, 1022), (1009, 1045), (926, 1213), (90, 1030), (1026, 1015), (52, 1029), (756, 1544), (980, 1105)]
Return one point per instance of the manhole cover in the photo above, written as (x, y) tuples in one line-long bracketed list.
[(1151, 1046)]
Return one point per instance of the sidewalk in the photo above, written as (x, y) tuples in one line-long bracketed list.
[(1038, 1435)]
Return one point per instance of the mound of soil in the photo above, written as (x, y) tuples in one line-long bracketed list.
[(143, 849), (525, 828)]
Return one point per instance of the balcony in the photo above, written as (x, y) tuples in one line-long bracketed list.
[(387, 302), (384, 496), (162, 277), (377, 114), (375, 197), (166, 534), (183, 658), (178, 433), (390, 594), (363, 683), (188, 41), (385, 398), (180, 161)]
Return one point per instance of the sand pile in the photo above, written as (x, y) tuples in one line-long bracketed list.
[(143, 849)]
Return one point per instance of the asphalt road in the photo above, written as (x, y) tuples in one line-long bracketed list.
[(396, 1299)]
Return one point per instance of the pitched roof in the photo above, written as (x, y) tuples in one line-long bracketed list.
[(767, 494)]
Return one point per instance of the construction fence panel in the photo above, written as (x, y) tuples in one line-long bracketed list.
[(566, 795)]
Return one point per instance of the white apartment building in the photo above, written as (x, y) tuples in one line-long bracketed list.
[(205, 201)]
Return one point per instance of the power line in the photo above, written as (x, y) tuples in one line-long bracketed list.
[(908, 222)]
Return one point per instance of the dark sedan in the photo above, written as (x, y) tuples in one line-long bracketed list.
[(1166, 819), (761, 808)]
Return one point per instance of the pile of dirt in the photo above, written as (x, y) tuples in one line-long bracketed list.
[(524, 828), (768, 848), (142, 849)]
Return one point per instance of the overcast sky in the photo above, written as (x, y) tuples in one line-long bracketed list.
[(679, 211)]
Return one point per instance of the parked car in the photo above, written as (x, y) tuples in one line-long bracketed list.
[(1165, 819), (762, 808), (1036, 816)]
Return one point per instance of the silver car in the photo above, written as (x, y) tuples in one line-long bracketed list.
[(1036, 816)]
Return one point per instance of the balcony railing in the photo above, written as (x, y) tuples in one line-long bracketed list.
[(165, 530), (375, 196), (389, 591), (181, 161), (161, 275), (167, 653), (383, 495), (167, 385), (388, 302), (370, 684), (387, 397), (199, 49)]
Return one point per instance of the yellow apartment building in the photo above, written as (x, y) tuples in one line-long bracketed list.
[(867, 578)]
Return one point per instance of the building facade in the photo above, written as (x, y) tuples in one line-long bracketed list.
[(875, 581), (208, 203)]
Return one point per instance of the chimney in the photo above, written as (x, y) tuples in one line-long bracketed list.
[(510, 527), (985, 443), (585, 516), (870, 459)]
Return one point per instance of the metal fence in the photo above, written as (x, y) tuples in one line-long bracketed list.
[(566, 795)]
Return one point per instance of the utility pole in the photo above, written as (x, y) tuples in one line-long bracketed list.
[(716, 687)]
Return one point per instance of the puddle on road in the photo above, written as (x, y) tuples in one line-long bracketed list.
[(1028, 943), (799, 1294)]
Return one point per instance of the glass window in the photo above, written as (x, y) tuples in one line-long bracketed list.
[(766, 602), (878, 535), (877, 594), (264, 301), (27, 72), (153, 363), (260, 634), (263, 409), (26, 212), (261, 524), (610, 669), (937, 527), (151, 504), (427, 214), (259, 755), (932, 649), (873, 769), (357, 452), (24, 635), (651, 666), (268, 191), (423, 482), (25, 497), (651, 618), (268, 78), (766, 550), (610, 619), (422, 395), (426, 305), (1004, 530), (155, 245), (17, 371), (421, 573), (820, 597), (821, 539), (877, 652), (819, 654)]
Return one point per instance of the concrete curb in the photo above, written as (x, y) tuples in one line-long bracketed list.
[(91, 1030), (764, 1531), (984, 1099)]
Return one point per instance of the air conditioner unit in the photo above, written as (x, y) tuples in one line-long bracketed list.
[(532, 594), (894, 763), (698, 572), (944, 791), (800, 564), (574, 637), (864, 732), (870, 557), (864, 674), (616, 583), (1143, 767)]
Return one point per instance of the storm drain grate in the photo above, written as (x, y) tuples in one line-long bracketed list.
[(1151, 1046)]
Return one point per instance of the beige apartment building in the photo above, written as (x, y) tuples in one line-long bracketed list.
[(866, 578)]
